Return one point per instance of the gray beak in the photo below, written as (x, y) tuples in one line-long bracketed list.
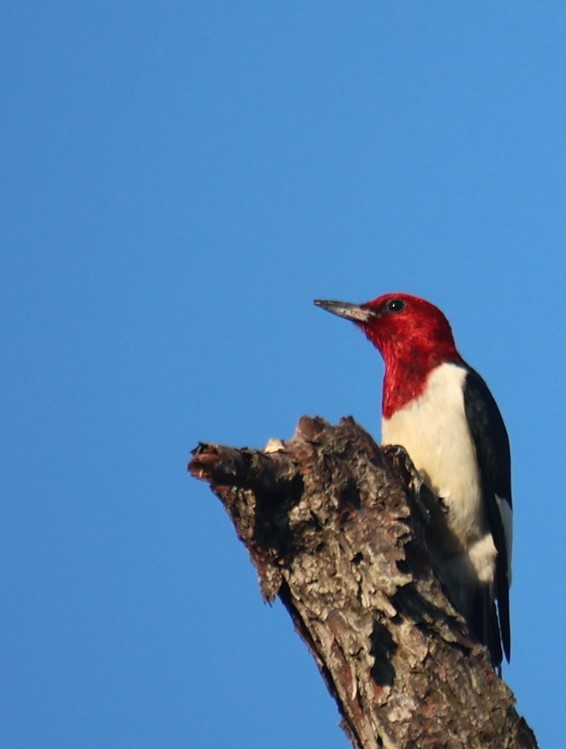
[(354, 312)]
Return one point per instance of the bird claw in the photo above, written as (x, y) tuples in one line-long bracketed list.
[(412, 478), (401, 459)]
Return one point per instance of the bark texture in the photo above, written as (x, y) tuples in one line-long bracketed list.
[(336, 527)]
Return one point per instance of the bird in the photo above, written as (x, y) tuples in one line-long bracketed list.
[(440, 410)]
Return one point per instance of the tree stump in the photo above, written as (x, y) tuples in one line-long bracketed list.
[(336, 527)]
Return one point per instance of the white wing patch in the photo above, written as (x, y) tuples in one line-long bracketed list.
[(506, 514)]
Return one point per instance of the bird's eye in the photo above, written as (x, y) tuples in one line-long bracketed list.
[(395, 305)]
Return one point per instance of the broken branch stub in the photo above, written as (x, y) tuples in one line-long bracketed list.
[(333, 530)]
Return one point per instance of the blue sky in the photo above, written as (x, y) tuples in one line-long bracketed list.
[(180, 181)]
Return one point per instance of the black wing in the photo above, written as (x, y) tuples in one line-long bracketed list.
[(494, 458)]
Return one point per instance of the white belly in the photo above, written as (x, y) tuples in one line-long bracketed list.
[(433, 429)]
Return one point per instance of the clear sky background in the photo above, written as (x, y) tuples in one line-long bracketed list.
[(179, 181)]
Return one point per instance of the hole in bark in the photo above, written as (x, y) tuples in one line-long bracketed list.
[(350, 495), (383, 648), (271, 526), (358, 559)]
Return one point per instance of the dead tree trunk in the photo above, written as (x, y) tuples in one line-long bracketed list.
[(335, 532)]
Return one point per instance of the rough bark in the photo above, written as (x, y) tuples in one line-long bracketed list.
[(336, 527)]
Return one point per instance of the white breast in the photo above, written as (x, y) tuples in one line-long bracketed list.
[(434, 431)]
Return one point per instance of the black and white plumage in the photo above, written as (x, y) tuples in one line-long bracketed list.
[(494, 461), (442, 412)]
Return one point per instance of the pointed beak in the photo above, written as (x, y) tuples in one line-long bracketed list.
[(355, 312)]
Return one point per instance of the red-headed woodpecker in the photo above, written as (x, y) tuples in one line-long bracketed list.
[(442, 412)]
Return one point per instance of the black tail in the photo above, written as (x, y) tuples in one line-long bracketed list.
[(484, 623)]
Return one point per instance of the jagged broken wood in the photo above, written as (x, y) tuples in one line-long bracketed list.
[(334, 529)]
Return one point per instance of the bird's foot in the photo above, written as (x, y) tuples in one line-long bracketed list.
[(425, 500)]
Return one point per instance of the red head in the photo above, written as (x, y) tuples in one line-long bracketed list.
[(412, 335)]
